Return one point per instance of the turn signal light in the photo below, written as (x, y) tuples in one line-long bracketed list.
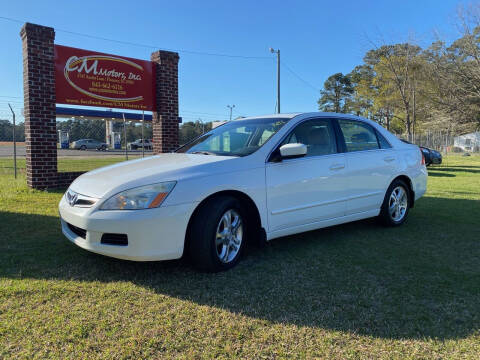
[(423, 157), (158, 200)]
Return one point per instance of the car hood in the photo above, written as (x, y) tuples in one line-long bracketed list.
[(109, 180)]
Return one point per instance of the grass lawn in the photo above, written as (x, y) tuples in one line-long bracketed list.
[(356, 291)]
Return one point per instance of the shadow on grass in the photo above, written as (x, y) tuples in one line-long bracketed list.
[(419, 280), (460, 166), (431, 172), (466, 169)]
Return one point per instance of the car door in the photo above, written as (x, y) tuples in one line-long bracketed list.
[(370, 162), (311, 188)]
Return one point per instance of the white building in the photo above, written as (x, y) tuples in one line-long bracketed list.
[(468, 142)]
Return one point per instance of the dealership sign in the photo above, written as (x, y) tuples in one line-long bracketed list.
[(90, 78)]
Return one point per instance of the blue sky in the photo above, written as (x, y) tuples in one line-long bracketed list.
[(316, 39)]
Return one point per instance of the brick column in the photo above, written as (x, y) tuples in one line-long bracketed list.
[(165, 119), (39, 105)]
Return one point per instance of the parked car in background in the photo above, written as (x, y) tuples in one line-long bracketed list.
[(432, 157), (138, 144), (249, 180), (84, 144)]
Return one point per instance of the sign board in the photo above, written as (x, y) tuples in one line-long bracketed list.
[(90, 78)]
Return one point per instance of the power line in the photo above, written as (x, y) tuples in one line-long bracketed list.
[(198, 112), (10, 102), (145, 45), (299, 77)]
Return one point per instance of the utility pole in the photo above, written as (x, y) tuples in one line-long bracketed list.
[(125, 136), (203, 125), (143, 136), (231, 108), (273, 51), (14, 144)]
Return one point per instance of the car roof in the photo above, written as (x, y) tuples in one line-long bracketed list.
[(270, 116), (305, 114)]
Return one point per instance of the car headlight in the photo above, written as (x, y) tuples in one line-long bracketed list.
[(143, 197)]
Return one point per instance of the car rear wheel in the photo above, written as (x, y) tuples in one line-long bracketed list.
[(396, 204), (217, 234)]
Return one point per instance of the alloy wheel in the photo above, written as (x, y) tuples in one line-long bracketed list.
[(229, 236), (398, 203)]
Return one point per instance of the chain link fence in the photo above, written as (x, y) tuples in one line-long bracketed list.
[(82, 144), (6, 145), (446, 142), (103, 142), (109, 136)]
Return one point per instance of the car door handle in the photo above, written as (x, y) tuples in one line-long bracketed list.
[(337, 167), (389, 158)]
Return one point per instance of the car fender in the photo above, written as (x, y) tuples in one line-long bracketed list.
[(409, 166), (250, 182)]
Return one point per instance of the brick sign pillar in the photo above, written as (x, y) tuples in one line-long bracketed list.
[(39, 105), (165, 119)]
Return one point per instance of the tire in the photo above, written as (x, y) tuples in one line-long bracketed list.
[(206, 250), (83, 147), (397, 196)]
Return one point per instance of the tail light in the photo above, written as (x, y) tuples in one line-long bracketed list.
[(423, 157)]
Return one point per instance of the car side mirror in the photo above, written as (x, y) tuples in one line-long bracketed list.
[(290, 151)]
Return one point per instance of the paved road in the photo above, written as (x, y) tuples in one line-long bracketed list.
[(7, 151)]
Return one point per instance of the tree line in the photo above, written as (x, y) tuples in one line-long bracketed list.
[(410, 89), (95, 129), (6, 131)]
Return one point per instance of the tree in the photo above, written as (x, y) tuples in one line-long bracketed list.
[(336, 93), (397, 69), (6, 131), (411, 90), (454, 77), (190, 130)]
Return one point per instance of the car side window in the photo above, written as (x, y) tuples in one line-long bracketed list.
[(384, 144), (358, 135), (317, 134)]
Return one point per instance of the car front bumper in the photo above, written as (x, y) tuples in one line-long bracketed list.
[(153, 234)]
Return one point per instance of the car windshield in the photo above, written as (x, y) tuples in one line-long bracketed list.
[(235, 138)]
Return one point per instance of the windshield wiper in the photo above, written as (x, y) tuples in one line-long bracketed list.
[(203, 152)]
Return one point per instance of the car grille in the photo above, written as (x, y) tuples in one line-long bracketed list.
[(77, 231), (115, 239), (75, 199)]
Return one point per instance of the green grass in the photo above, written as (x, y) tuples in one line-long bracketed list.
[(77, 163), (356, 291)]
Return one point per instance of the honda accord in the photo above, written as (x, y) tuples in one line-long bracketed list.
[(248, 180)]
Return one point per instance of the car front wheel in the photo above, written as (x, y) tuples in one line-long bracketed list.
[(396, 204), (217, 234)]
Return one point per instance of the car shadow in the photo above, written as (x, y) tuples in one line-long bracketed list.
[(432, 172), (417, 281), (467, 169), (461, 166)]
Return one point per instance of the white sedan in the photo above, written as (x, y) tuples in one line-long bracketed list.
[(248, 180)]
